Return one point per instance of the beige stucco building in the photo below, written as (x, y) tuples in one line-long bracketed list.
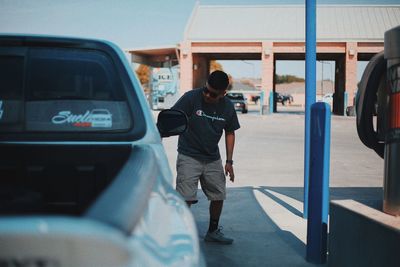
[(345, 35)]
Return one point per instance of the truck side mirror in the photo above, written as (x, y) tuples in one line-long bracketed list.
[(171, 122)]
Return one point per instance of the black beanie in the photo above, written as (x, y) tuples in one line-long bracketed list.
[(218, 80)]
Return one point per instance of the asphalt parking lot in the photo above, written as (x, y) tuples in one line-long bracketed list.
[(263, 211)]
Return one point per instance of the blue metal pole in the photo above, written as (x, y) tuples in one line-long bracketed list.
[(271, 102), (318, 205), (311, 62)]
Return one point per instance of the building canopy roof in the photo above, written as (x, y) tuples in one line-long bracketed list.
[(165, 56), (286, 23)]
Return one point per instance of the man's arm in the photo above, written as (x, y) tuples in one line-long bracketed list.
[(229, 145)]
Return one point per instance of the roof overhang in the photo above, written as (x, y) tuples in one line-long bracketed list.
[(166, 56)]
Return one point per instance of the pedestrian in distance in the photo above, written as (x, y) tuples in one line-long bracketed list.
[(210, 115)]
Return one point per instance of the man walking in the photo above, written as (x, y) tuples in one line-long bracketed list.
[(210, 114)]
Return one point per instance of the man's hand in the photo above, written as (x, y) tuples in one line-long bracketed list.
[(229, 170)]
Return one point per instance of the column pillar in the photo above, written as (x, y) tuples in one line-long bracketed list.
[(267, 70), (200, 70), (351, 71), (186, 68)]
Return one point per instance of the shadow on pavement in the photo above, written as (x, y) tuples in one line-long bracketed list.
[(259, 241), (290, 112), (370, 196), (265, 225), (280, 201)]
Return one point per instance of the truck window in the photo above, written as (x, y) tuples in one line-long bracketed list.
[(11, 77), (72, 74), (53, 89), (11, 92)]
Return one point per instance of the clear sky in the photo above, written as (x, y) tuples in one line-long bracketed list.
[(133, 23)]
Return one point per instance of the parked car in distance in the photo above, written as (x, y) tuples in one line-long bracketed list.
[(351, 111), (283, 98), (255, 98), (239, 101), (85, 179)]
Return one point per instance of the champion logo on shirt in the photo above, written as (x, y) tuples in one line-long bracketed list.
[(201, 113)]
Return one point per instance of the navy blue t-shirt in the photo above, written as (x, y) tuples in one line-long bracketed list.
[(206, 125)]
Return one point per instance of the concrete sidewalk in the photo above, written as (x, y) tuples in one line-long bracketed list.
[(263, 211)]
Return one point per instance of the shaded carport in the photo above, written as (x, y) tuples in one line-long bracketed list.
[(162, 56), (154, 58), (342, 60), (345, 59), (345, 56), (345, 34)]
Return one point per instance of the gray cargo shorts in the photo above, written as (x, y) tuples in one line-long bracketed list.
[(211, 175)]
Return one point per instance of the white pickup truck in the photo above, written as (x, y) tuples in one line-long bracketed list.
[(84, 178)]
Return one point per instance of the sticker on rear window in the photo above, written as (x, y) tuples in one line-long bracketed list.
[(96, 118)]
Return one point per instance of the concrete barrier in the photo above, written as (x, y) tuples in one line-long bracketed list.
[(362, 236)]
